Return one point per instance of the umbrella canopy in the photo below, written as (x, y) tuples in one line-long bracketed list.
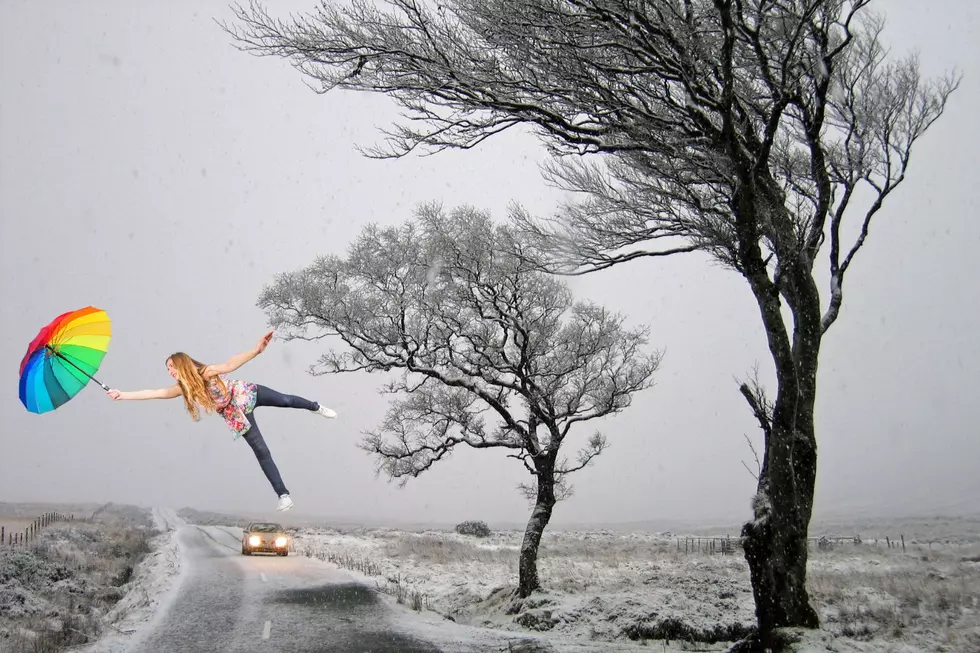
[(63, 357)]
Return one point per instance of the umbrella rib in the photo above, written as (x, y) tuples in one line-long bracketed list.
[(64, 358)]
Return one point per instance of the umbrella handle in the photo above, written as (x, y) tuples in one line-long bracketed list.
[(58, 354)]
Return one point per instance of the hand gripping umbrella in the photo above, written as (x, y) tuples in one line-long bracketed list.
[(63, 357)]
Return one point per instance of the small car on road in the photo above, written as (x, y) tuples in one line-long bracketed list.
[(265, 537)]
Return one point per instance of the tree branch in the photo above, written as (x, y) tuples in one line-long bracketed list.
[(758, 465)]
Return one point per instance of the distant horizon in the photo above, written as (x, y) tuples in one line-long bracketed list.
[(651, 525), (665, 524)]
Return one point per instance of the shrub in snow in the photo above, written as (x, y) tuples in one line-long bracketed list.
[(23, 566), (477, 528)]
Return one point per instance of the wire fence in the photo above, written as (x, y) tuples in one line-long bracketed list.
[(31, 531), (730, 545)]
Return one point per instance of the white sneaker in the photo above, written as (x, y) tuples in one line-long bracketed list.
[(326, 412), (285, 503)]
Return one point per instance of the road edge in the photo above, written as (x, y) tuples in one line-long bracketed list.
[(153, 587)]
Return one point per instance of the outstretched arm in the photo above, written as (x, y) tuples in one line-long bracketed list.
[(163, 393), (238, 360)]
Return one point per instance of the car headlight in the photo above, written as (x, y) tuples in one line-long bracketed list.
[(254, 540), (281, 541)]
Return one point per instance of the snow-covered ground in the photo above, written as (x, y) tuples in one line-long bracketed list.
[(152, 585), (623, 587), (99, 576), (604, 591)]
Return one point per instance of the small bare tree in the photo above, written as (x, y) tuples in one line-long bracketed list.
[(752, 130), (493, 353)]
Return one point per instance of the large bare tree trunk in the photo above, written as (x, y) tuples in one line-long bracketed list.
[(776, 540), (776, 544), (528, 581)]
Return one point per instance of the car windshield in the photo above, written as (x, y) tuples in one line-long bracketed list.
[(265, 528)]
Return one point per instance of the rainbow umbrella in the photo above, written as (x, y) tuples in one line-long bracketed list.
[(63, 357)]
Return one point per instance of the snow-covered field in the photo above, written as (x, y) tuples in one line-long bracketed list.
[(604, 590), (629, 587)]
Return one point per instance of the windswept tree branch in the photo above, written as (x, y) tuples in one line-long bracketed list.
[(427, 424), (811, 102), (596, 445), (880, 109)]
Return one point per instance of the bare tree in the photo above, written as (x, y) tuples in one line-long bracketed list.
[(752, 130), (492, 353)]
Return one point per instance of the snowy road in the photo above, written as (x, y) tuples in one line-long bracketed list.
[(230, 602)]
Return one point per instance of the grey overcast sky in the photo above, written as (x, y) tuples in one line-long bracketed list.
[(150, 169)]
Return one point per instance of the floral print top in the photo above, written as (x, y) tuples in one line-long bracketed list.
[(233, 403)]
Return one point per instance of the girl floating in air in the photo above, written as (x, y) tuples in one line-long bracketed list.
[(206, 386)]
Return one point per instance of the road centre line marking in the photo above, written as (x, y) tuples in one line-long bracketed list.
[(266, 630), (262, 576)]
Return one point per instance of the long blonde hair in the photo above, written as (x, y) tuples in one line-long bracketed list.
[(193, 385)]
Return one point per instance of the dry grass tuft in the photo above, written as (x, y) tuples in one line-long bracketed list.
[(443, 549), (609, 548)]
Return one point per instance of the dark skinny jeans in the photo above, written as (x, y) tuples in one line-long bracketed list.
[(269, 397)]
